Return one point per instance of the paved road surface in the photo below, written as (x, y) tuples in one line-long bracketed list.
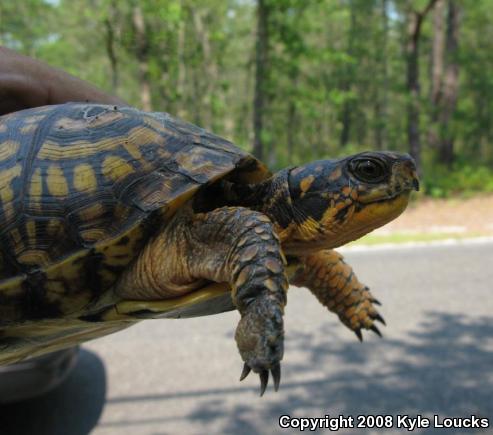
[(181, 376)]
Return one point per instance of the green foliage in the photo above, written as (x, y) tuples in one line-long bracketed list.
[(26, 24), (336, 72), (442, 182)]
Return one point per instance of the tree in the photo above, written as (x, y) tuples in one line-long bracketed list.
[(261, 69), (109, 23), (141, 50), (437, 52), (450, 84), (292, 79), (382, 89), (348, 78), (414, 25)]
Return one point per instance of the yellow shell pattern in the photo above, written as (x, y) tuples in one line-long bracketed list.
[(82, 187)]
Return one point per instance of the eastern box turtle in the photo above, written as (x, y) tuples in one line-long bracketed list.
[(112, 215)]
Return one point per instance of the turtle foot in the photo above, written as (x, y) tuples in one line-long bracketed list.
[(365, 317), (260, 337)]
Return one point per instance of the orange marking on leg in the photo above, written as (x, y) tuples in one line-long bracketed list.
[(336, 287)]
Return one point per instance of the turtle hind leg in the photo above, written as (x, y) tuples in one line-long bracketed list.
[(232, 245), (335, 285)]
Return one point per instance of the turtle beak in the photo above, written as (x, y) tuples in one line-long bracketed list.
[(410, 165)]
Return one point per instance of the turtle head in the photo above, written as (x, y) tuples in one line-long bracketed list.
[(328, 203)]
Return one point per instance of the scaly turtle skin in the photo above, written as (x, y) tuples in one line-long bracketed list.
[(112, 215)]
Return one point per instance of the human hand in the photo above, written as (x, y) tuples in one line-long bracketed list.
[(26, 83)]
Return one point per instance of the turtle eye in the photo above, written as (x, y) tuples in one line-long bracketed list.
[(368, 170)]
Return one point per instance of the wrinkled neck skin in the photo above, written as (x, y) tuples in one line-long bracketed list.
[(300, 234), (273, 198), (344, 219)]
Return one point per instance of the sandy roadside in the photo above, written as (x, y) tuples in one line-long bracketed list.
[(458, 216)]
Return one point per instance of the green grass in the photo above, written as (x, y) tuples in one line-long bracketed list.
[(377, 239)]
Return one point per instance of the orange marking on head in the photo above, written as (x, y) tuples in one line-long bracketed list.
[(306, 183), (336, 174), (346, 190)]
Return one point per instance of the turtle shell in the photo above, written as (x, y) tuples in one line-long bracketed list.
[(82, 187)]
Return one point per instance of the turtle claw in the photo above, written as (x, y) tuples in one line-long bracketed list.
[(376, 330), (359, 334), (264, 380), (276, 375), (366, 317), (264, 376), (245, 372), (371, 328), (379, 318)]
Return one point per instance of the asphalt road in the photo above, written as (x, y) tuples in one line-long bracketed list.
[(181, 376)]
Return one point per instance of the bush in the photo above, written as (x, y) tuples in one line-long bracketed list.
[(442, 182)]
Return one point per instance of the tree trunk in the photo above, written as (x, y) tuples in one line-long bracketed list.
[(381, 98), (347, 80), (436, 70), (141, 52), (413, 29), (210, 67), (450, 83), (437, 52), (414, 24), (182, 76), (291, 129), (110, 46), (261, 59)]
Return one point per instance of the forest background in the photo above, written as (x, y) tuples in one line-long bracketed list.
[(291, 80)]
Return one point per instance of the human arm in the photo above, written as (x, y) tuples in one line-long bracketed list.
[(27, 82)]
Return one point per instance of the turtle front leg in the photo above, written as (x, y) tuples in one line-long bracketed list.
[(336, 286), (234, 245), (256, 274)]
